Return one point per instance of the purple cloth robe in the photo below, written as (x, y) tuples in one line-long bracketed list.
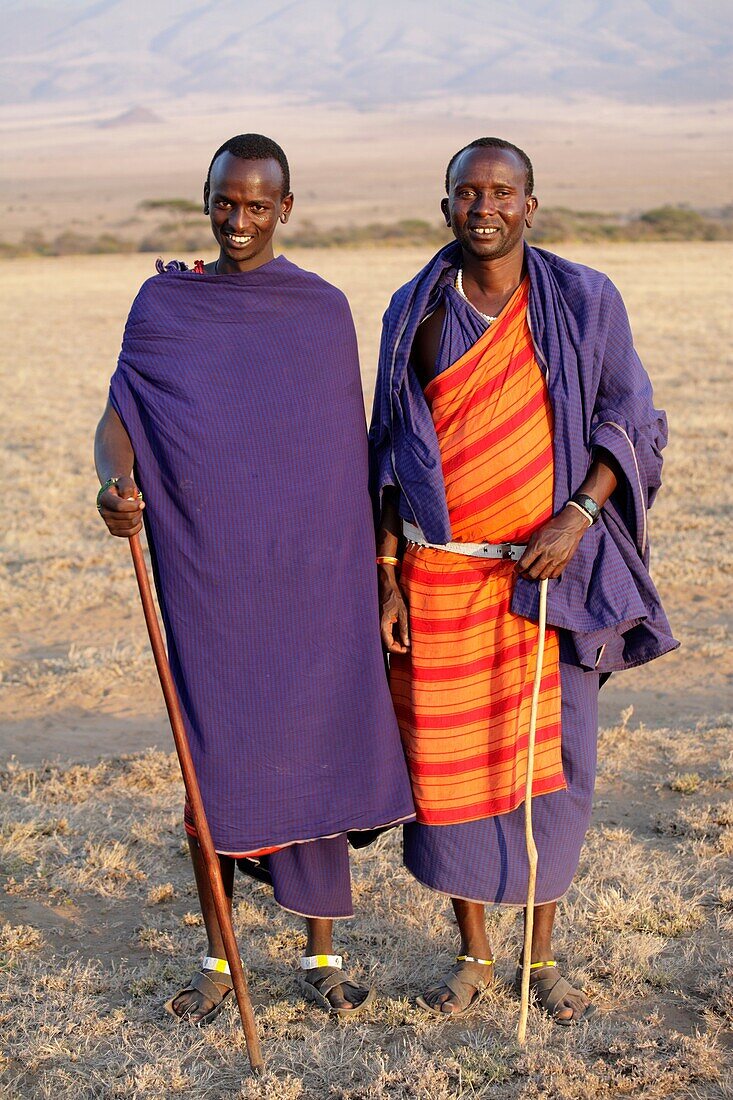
[(242, 398), (601, 397)]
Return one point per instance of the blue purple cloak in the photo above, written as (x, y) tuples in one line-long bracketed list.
[(242, 398), (601, 398)]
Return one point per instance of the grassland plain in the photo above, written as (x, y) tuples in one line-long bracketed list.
[(98, 916)]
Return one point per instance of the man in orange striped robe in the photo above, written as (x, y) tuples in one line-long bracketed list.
[(462, 662)]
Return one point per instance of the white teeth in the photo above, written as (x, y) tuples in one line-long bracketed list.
[(491, 229), (239, 240)]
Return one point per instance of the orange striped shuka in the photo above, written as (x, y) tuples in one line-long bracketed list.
[(463, 692)]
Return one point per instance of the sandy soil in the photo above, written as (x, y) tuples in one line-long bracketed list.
[(96, 898), (348, 167)]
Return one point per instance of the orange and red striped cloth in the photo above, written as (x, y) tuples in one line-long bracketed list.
[(463, 692)]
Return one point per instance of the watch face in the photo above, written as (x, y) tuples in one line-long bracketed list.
[(589, 505)]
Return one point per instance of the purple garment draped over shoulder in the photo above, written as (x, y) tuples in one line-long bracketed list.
[(601, 398), (242, 398)]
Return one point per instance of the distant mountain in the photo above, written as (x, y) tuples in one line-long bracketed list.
[(365, 54), (136, 116)]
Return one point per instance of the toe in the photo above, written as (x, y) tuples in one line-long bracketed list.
[(181, 1004), (190, 1006), (346, 997), (437, 998), (572, 1006), (356, 996)]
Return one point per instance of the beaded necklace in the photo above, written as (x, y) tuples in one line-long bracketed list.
[(461, 291)]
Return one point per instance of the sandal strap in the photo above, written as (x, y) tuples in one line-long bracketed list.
[(327, 978), (463, 990), (460, 989), (209, 988), (551, 991), (315, 962)]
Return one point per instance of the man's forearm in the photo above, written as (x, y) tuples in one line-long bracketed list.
[(390, 526), (388, 537), (602, 478), (113, 454)]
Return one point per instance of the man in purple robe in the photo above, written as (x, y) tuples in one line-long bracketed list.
[(237, 409), (606, 443)]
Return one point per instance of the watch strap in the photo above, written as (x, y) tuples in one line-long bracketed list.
[(588, 504)]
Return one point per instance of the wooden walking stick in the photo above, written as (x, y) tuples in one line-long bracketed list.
[(528, 834), (206, 844)]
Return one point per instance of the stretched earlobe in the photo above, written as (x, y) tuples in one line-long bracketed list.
[(206, 209)]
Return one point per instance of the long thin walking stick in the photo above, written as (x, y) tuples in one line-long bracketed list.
[(528, 834), (206, 844)]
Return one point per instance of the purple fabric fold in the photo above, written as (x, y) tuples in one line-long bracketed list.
[(242, 397)]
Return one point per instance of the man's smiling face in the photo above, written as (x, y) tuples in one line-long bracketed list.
[(245, 203), (487, 206)]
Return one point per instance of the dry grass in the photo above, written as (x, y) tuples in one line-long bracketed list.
[(98, 914), (109, 931)]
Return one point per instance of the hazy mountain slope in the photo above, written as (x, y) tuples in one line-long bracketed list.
[(366, 54)]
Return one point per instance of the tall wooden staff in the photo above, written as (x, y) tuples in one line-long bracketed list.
[(528, 834), (206, 844)]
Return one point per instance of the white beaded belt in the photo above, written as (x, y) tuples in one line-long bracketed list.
[(505, 551)]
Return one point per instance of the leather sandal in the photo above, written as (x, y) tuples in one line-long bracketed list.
[(467, 994), (213, 974), (323, 973), (549, 993)]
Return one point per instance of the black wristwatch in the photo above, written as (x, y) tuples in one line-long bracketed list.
[(588, 504)]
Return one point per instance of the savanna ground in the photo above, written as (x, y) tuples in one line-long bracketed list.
[(98, 915)]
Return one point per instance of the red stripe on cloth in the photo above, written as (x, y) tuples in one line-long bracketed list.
[(190, 828), (489, 807), (481, 760), (503, 488), (458, 575), (466, 717), (491, 439), (463, 367), (463, 622), (502, 380), (469, 668)]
